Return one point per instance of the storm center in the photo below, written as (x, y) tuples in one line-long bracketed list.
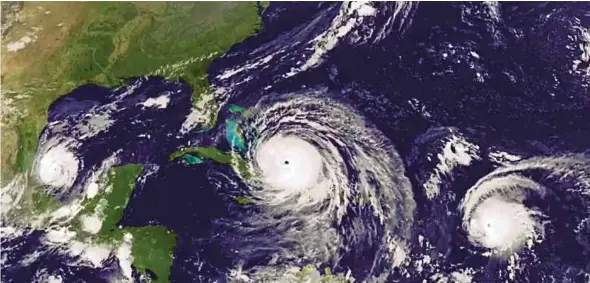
[(289, 162)]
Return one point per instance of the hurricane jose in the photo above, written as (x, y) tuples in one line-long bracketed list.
[(502, 225), (510, 208), (319, 166)]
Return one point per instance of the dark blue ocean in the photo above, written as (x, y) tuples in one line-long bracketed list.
[(510, 76)]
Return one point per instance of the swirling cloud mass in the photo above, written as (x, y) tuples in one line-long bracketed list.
[(328, 181), (342, 142)]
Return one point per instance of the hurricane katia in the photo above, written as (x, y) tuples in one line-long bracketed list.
[(527, 203), (56, 164), (328, 182)]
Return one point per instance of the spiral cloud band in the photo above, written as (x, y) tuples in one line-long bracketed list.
[(56, 164), (328, 179), (513, 207)]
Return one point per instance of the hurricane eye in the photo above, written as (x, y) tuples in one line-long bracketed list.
[(321, 164), (298, 165), (57, 165), (498, 213)]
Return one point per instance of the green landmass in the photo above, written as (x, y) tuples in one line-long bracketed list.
[(204, 152), (122, 180), (103, 43), (213, 153), (152, 246), (242, 199), (109, 204), (152, 249), (43, 201), (75, 43), (34, 203)]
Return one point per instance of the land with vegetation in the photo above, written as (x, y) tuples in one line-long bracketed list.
[(50, 48)]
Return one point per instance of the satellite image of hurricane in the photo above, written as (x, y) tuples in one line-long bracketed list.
[(295, 142)]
